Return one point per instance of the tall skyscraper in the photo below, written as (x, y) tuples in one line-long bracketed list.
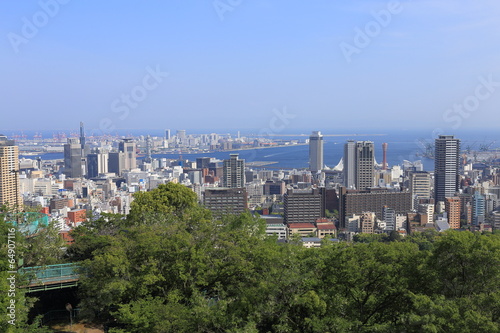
[(73, 164), (233, 172), (82, 136), (128, 147), (365, 162), (167, 134), (384, 156), (359, 163), (446, 164), (316, 152), (350, 164), (9, 173)]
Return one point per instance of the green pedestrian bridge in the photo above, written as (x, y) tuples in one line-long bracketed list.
[(51, 277)]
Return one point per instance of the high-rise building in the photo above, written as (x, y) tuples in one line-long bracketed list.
[(9, 173), (233, 174), (478, 208), (359, 162), (420, 186), (82, 136), (365, 162), (116, 162), (446, 164), (181, 136), (304, 206), (350, 164), (167, 134), (384, 156), (316, 152), (97, 163), (128, 147), (389, 217), (452, 209), (73, 163)]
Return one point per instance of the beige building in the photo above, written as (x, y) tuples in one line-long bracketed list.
[(452, 208), (9, 173)]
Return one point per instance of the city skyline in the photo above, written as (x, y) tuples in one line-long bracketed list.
[(423, 64)]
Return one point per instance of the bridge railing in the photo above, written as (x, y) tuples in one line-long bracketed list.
[(51, 276)]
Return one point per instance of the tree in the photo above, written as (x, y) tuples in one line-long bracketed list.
[(170, 198), (12, 245)]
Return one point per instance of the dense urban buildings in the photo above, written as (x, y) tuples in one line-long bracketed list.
[(357, 195)]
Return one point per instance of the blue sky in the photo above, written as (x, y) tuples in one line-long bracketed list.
[(240, 63)]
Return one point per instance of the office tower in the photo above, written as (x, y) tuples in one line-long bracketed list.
[(420, 186), (350, 164), (365, 162), (233, 174), (82, 136), (128, 147), (478, 208), (226, 200), (316, 152), (97, 163), (384, 159), (452, 209), (9, 173), (304, 206), (149, 144), (446, 163), (167, 134), (116, 162), (73, 164)]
